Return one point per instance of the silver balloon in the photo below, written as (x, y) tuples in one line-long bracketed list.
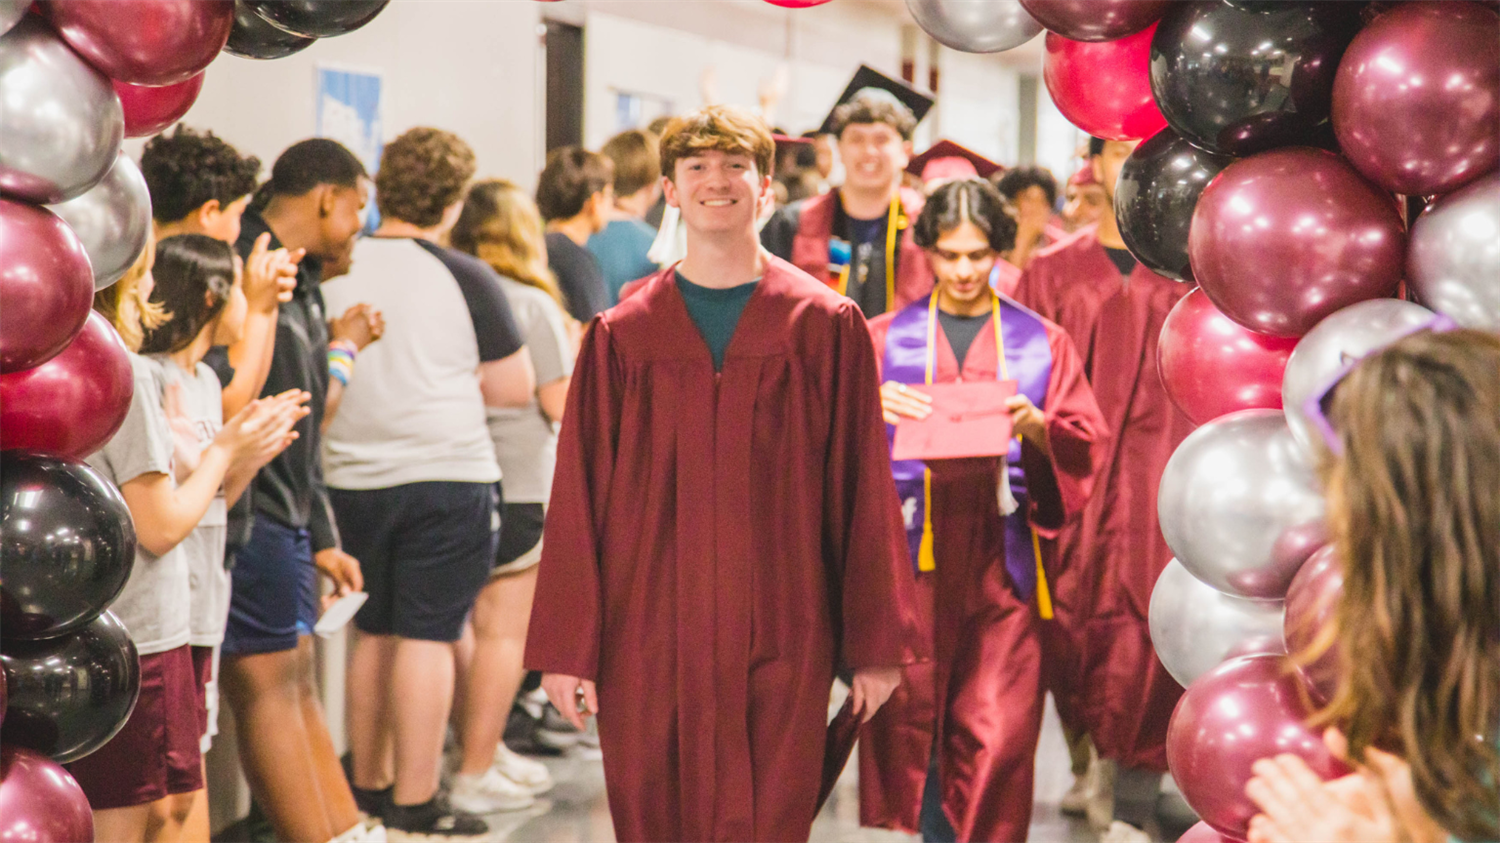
[(62, 123), (11, 12), (975, 26), (1237, 503), (1196, 628), (1454, 257), (112, 219), (1347, 335)]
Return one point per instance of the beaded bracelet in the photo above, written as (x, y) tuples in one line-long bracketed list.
[(341, 354)]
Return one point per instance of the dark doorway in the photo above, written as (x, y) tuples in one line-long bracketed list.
[(564, 85)]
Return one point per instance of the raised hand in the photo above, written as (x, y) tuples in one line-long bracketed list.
[(270, 276), (361, 324)]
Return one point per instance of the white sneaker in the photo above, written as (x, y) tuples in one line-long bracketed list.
[(526, 772), (1123, 832), (488, 793)]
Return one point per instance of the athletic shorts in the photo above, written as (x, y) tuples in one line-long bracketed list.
[(156, 754), (520, 545), (426, 549), (273, 595)]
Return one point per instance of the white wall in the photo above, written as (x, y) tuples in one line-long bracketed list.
[(978, 105)]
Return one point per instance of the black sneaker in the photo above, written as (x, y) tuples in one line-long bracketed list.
[(372, 803), (433, 820)]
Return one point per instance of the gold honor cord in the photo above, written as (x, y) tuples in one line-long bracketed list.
[(891, 231)]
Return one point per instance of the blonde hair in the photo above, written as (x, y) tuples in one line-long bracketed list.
[(122, 304), (500, 225)]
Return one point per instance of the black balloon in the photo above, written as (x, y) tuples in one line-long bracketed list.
[(1241, 81), (67, 542), (68, 696), (253, 37), (318, 18), (1158, 188)]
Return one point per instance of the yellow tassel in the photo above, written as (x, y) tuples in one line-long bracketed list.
[(925, 559), (1043, 596)]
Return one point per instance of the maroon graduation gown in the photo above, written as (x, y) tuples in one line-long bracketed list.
[(715, 546), (1106, 676), (982, 692), (815, 229)]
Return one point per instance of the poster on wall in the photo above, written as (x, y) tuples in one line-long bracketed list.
[(349, 110)]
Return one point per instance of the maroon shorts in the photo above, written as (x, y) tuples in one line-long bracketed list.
[(203, 673), (156, 754)]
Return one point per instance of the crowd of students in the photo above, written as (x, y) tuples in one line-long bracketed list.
[(407, 414)]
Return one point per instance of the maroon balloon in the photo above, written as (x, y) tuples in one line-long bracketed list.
[(1311, 604), (144, 42), (1096, 20), (39, 801), (1211, 366), (1416, 101), (1104, 88), (149, 109), (46, 285), (1284, 238), (1204, 833), (1242, 711), (73, 403)]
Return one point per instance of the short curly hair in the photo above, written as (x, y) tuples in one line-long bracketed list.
[(572, 176), (972, 201), (1016, 179), (870, 107), (422, 173), (723, 128), (185, 170)]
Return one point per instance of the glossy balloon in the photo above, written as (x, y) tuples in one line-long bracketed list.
[(39, 801), (253, 37), (1212, 366), (69, 695), (72, 404), (322, 18), (1202, 832), (112, 221), (796, 4), (1311, 605), (148, 110), (975, 26), (1417, 99), (1347, 335), (1195, 628), (69, 545), (1242, 711), (62, 120), (1155, 195), (1096, 20), (11, 12), (144, 42), (1453, 263), (46, 285), (1104, 88), (1241, 82), (1236, 501), (1281, 240)]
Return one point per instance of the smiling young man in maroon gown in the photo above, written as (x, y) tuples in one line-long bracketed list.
[(1107, 677), (723, 533)]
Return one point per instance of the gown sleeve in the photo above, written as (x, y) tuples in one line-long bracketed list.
[(876, 596), (1077, 433), (567, 615)]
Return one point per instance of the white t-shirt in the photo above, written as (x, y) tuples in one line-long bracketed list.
[(525, 439)]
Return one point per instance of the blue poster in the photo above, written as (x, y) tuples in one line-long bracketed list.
[(349, 111)]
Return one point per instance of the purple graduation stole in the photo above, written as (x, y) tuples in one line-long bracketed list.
[(1028, 360)]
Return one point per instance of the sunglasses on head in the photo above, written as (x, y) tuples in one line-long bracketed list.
[(1319, 405)]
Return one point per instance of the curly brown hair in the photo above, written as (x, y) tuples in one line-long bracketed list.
[(867, 108), (718, 127), (187, 169), (422, 173)]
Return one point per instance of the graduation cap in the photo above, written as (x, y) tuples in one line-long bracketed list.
[(948, 160), (869, 81)]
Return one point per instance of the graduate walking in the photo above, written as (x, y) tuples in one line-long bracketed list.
[(951, 754), (723, 533)]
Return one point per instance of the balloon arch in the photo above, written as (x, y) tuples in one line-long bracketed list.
[(1293, 166)]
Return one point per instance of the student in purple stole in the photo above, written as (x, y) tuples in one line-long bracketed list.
[(951, 754)]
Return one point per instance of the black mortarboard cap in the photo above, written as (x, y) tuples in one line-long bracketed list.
[(869, 78)]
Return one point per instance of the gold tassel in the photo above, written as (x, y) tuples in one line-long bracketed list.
[(925, 559), (1043, 596)]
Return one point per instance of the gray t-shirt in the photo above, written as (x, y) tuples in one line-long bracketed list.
[(525, 439), (156, 604), (202, 403)]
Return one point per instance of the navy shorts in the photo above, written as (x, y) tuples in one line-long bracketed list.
[(273, 596), (425, 549)]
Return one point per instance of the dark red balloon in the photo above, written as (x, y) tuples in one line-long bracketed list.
[(73, 403), (149, 109), (1096, 20), (144, 42), (796, 4), (46, 285), (1282, 239), (39, 801), (1212, 366), (1416, 103), (1242, 711), (1204, 833), (1104, 88), (1312, 604)]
